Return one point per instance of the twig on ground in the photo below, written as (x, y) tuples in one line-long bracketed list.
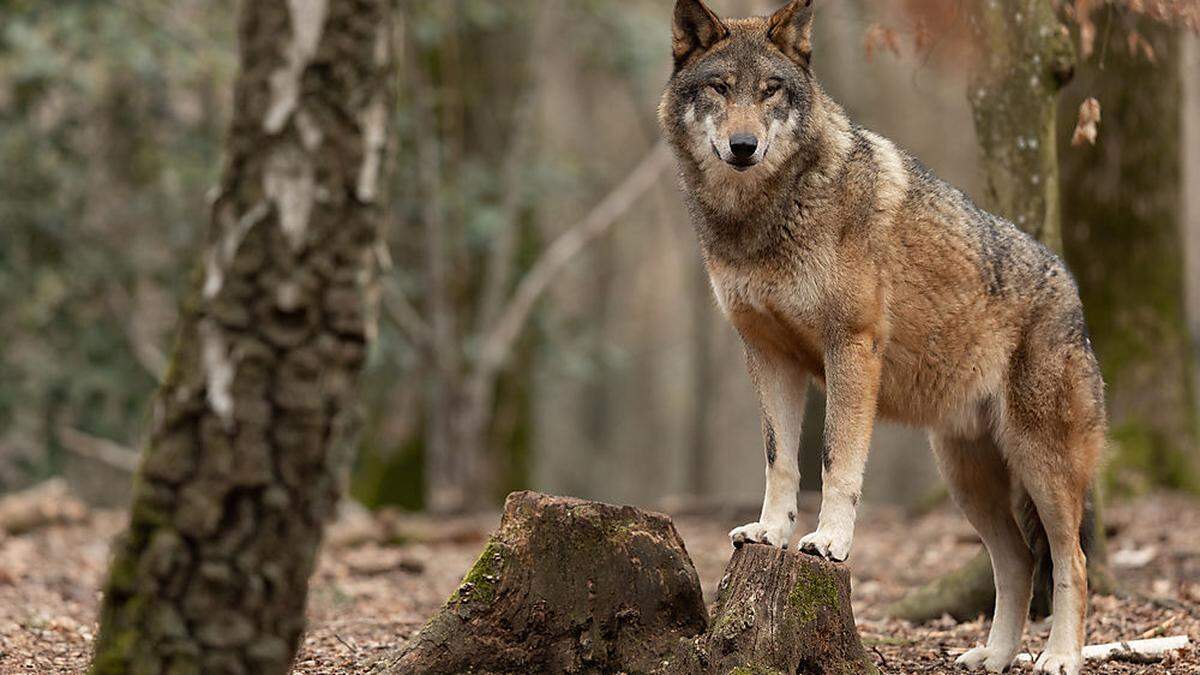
[(1124, 651)]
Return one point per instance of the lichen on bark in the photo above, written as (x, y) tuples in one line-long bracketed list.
[(247, 447), (1026, 57)]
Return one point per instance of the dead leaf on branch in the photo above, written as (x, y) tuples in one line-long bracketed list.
[(881, 37), (1087, 28), (1138, 44), (1088, 126)]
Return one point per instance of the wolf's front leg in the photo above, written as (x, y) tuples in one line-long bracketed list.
[(852, 384), (781, 386)]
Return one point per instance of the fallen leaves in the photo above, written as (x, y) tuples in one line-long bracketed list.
[(1088, 126), (43, 505)]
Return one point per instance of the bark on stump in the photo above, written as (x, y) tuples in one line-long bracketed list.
[(779, 612), (566, 585), (572, 586)]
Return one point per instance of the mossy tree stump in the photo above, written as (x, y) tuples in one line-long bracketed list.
[(566, 585), (779, 612), (570, 586)]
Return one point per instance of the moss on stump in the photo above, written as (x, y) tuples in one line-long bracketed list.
[(566, 585), (779, 612), (570, 586)]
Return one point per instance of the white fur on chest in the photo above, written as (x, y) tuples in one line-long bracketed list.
[(794, 290)]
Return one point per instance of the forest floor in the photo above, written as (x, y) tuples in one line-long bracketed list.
[(379, 579)]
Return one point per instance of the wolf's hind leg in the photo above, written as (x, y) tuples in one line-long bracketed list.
[(979, 481), (781, 386), (1052, 438), (1060, 503)]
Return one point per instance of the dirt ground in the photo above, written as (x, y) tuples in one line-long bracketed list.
[(367, 597)]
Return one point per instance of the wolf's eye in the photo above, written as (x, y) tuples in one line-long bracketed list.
[(771, 89), (719, 87)]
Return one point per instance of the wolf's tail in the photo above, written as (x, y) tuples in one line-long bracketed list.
[(1035, 537)]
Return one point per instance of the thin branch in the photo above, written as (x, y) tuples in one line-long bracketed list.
[(499, 341), (406, 317), (99, 449), (148, 355)]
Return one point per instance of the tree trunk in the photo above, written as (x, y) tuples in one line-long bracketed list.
[(566, 585), (1027, 58), (571, 586), (247, 449), (1123, 214), (698, 456), (1190, 61)]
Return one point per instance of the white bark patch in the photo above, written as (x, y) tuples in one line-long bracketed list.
[(310, 134), (373, 125), (222, 254), (308, 21), (218, 370), (290, 184), (214, 275)]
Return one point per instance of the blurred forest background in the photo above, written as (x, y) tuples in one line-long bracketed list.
[(595, 366)]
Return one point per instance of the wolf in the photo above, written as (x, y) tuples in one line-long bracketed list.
[(838, 257)]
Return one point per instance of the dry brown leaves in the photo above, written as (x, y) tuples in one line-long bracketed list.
[(1087, 128), (1184, 13), (369, 596), (879, 37)]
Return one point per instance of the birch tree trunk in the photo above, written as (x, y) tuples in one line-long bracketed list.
[(246, 457)]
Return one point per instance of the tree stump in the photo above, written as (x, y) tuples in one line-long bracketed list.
[(566, 585), (571, 586), (779, 612)]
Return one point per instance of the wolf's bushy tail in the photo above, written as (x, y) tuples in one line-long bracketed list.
[(1035, 537)]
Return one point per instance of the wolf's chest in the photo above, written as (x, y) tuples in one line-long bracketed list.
[(794, 289), (773, 307)]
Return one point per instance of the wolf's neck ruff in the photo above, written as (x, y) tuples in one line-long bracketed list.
[(741, 215)]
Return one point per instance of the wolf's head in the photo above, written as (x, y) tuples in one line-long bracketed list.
[(740, 91)]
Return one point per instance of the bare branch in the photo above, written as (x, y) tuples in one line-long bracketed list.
[(99, 449), (406, 317), (499, 341), (148, 355)]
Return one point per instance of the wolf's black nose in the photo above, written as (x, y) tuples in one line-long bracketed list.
[(743, 145)]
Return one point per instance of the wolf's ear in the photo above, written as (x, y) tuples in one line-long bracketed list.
[(695, 29), (790, 29)]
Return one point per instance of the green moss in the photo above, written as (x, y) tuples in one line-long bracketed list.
[(1143, 457), (733, 620), (112, 656), (386, 477), (813, 591), (479, 584)]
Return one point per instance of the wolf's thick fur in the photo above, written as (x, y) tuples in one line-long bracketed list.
[(838, 256)]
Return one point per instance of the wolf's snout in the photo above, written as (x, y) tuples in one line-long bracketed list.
[(743, 146)]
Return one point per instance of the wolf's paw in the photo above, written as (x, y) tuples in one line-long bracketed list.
[(827, 543), (987, 659), (760, 533), (1059, 663)]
